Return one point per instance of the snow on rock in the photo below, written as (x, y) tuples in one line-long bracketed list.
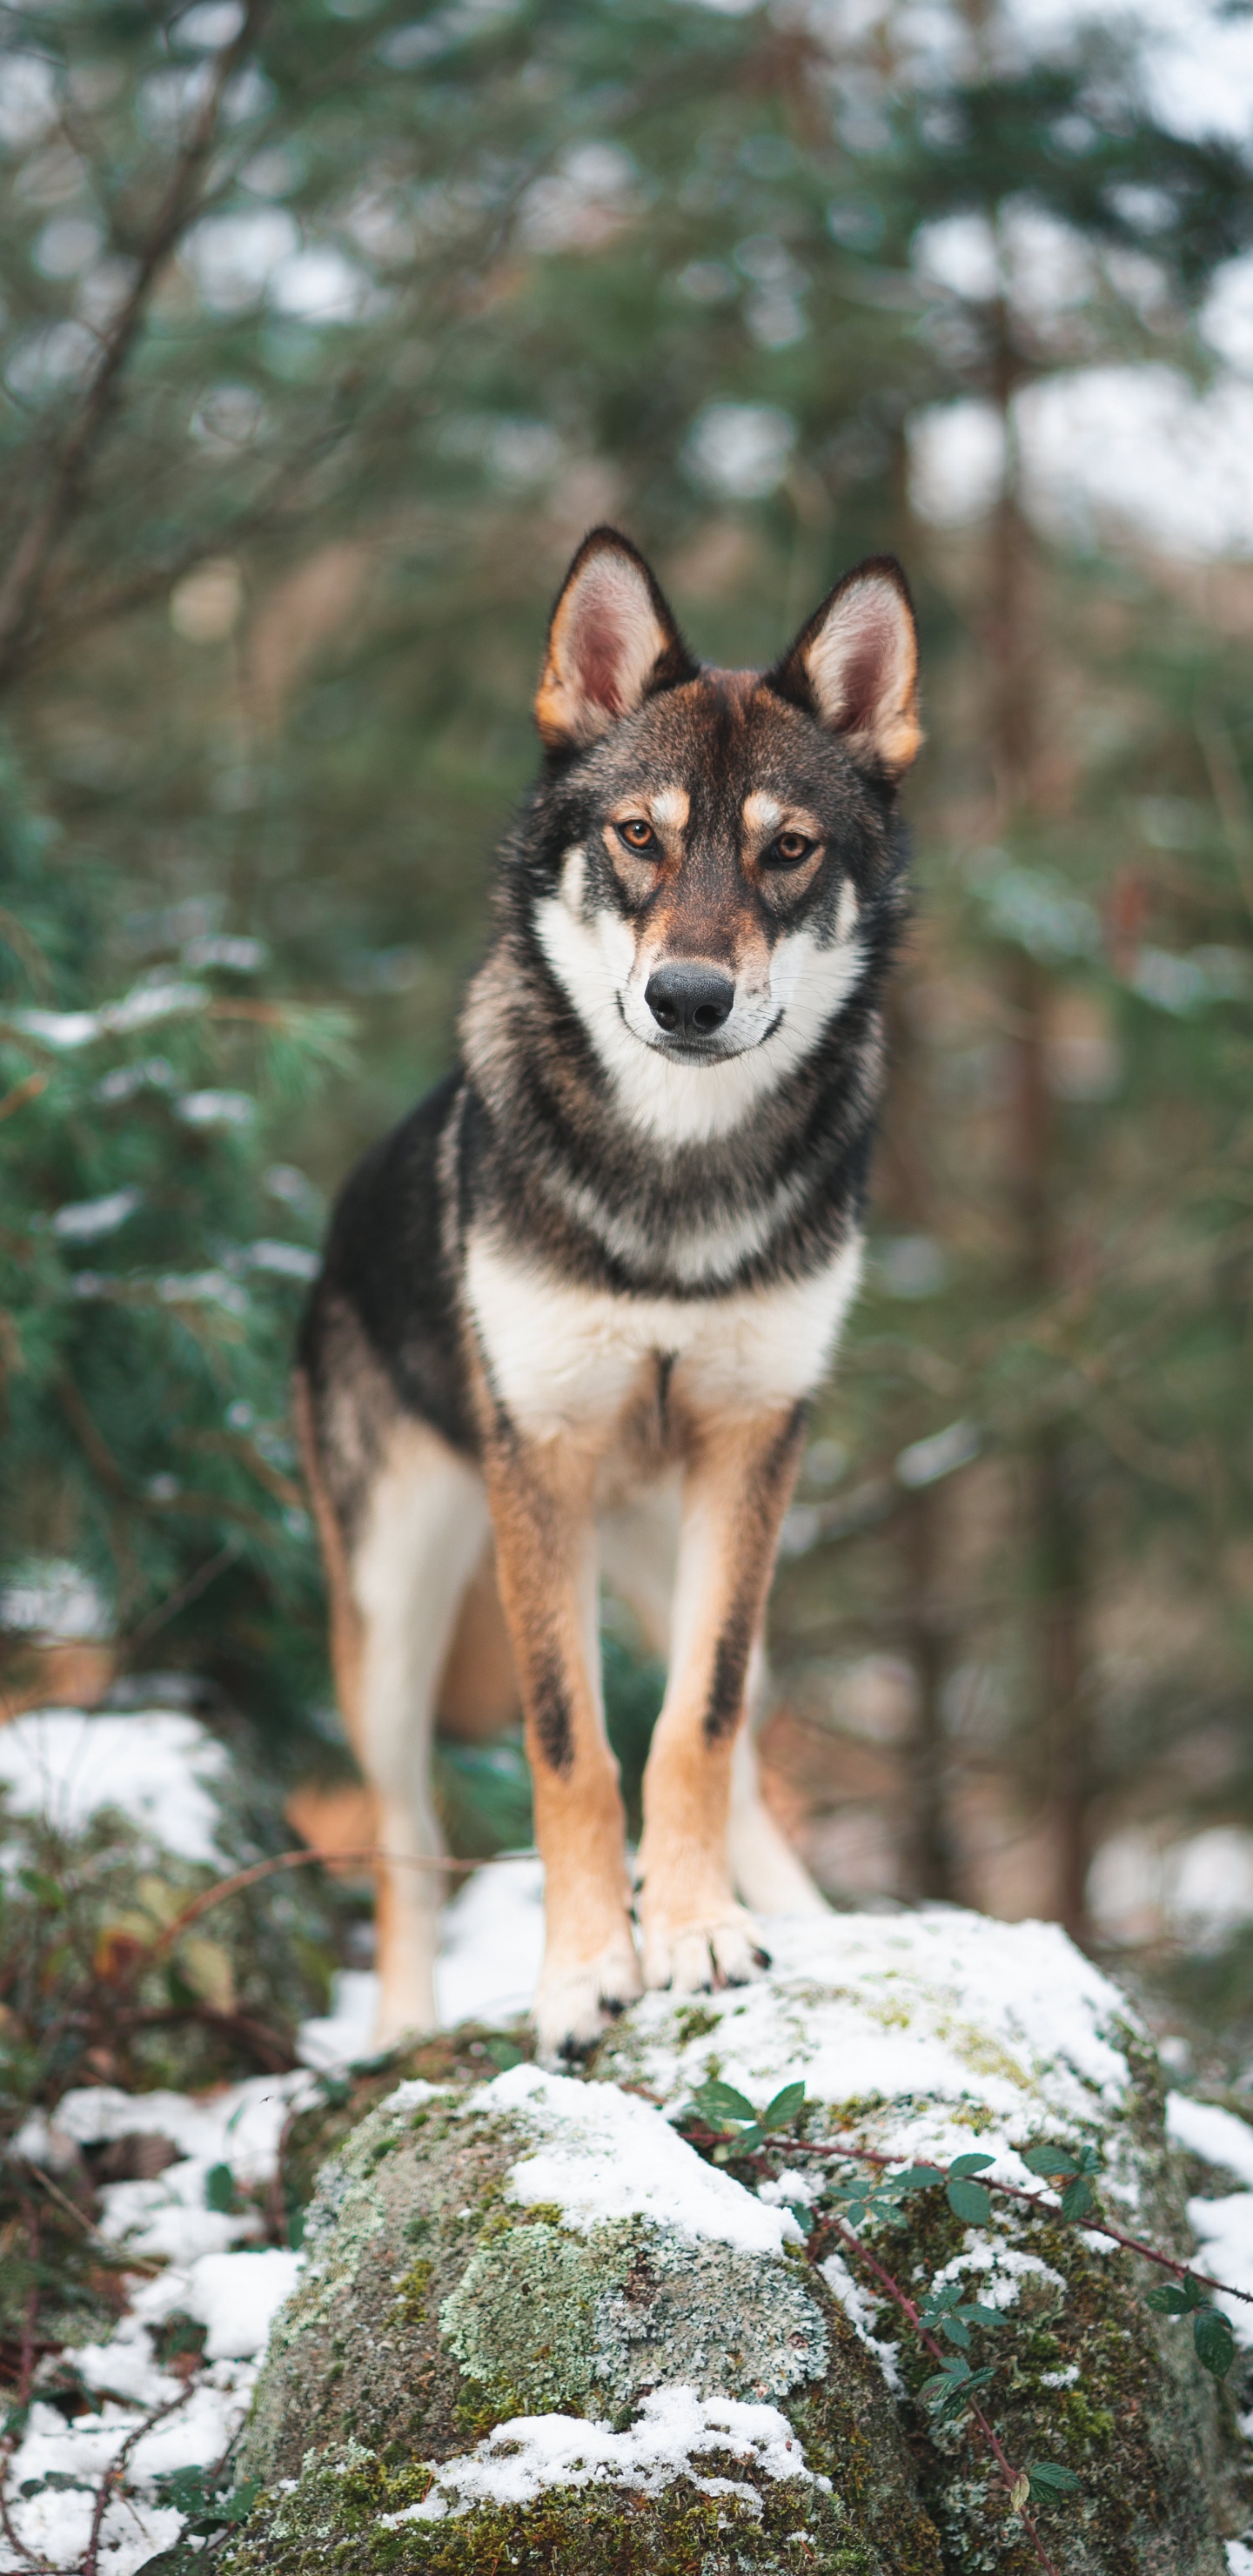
[(1223, 2227), (925, 2025), (159, 1767), (1217, 2136), (673, 2430), (603, 2155)]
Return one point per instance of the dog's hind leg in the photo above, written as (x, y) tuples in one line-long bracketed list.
[(639, 1553), (396, 1582), (736, 1487), (767, 1873)]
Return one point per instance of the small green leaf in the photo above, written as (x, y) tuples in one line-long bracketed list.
[(983, 2316), (503, 2053), (969, 2201), (917, 2178), (1049, 2160), (1168, 2302), (219, 2189), (1214, 2340), (1077, 2198), (47, 1890), (721, 2102), (784, 2109), (971, 2164), (1048, 2480), (804, 2217), (957, 2332)]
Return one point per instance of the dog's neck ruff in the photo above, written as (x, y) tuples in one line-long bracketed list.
[(656, 1179)]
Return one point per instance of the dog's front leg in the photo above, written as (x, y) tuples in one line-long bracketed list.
[(738, 1481), (541, 1501)]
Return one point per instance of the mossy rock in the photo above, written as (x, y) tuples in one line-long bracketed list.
[(537, 2331)]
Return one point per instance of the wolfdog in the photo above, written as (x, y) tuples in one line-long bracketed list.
[(572, 1310)]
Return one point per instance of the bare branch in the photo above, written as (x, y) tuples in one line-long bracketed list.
[(22, 588)]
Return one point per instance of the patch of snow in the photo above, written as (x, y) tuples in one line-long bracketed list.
[(605, 2155), (1218, 2136), (858, 2307), (1224, 2231), (922, 2013), (345, 2034), (54, 1600), (158, 1767), (674, 2428), (238, 2296), (240, 2126), (138, 1009), (1239, 2558), (1004, 2268), (492, 1944)]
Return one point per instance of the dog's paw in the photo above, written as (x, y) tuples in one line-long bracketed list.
[(723, 1950), (576, 2002)]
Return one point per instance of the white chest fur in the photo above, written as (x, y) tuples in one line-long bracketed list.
[(563, 1356)]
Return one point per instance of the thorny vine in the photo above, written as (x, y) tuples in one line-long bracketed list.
[(723, 2125)]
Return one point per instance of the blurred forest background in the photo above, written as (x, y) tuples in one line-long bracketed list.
[(328, 328)]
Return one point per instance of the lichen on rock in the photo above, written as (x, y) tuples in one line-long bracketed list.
[(537, 2330)]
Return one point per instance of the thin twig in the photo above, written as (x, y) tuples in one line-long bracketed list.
[(22, 587), (1010, 2475), (113, 2473), (123, 2260), (189, 1591), (1050, 2209), (260, 1869), (22, 1092)]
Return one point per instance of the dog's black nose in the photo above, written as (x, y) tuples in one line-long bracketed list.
[(689, 1001)]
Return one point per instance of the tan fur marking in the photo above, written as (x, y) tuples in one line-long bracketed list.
[(669, 808), (541, 1498), (762, 814), (735, 1493), (478, 1696)]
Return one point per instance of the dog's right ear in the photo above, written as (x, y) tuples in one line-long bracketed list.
[(612, 643)]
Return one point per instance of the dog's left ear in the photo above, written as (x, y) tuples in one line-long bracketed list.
[(612, 643), (855, 667)]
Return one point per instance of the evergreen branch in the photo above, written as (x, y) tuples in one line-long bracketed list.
[(22, 587), (191, 1590), (21, 1093)]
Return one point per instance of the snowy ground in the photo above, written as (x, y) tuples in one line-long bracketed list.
[(205, 2263)]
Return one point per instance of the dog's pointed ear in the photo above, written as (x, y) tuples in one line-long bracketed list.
[(855, 667), (612, 643)]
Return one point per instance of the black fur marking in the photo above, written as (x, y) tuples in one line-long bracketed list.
[(385, 1260), (726, 1689), (550, 1713)]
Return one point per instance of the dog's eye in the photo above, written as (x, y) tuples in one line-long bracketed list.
[(788, 850), (637, 834)]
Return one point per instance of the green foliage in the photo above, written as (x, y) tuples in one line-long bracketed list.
[(151, 1264), (851, 2207)]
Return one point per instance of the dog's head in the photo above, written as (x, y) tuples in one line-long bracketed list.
[(716, 847)]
